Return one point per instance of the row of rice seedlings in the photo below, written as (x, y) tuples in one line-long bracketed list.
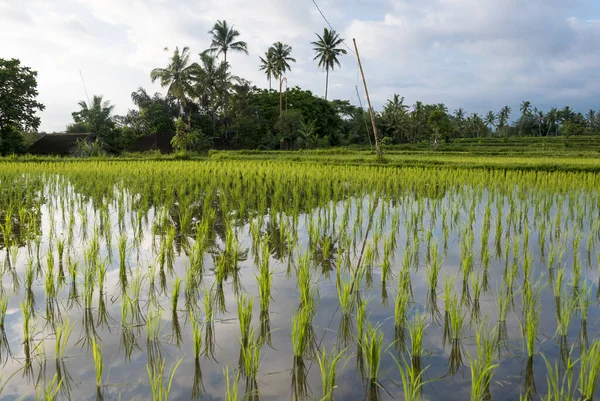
[(250, 356)]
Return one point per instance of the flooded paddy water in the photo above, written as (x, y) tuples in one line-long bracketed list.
[(275, 281)]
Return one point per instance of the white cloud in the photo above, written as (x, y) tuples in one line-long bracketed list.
[(479, 55)]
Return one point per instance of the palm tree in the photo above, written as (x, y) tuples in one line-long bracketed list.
[(208, 81), (525, 113), (96, 116), (177, 76), (281, 55), (268, 66), (327, 52), (224, 39), (490, 120)]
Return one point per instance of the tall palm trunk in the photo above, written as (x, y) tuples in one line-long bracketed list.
[(269, 83), (326, 81)]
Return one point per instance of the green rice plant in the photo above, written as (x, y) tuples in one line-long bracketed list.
[(49, 392), (416, 330), (196, 336), (98, 362), (345, 297), (63, 333), (250, 356), (123, 261), (3, 307), (411, 375), (372, 346), (482, 366), (361, 318), (434, 266), (561, 386), (264, 280), (302, 332), (26, 312), (583, 307), (304, 279), (160, 390), (175, 290), (589, 369), (327, 365), (231, 386), (244, 303), (477, 286), (530, 328)]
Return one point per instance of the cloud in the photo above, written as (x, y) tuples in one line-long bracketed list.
[(478, 55)]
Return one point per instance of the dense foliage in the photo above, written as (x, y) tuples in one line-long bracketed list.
[(18, 104)]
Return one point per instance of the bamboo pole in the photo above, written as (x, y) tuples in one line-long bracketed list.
[(372, 113)]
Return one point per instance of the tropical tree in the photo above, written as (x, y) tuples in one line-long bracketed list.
[(268, 66), (503, 117), (18, 104), (209, 76), (177, 76), (490, 120), (281, 56), (525, 109), (327, 51), (394, 117), (225, 38), (97, 118)]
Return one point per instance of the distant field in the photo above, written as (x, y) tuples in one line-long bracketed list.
[(532, 153)]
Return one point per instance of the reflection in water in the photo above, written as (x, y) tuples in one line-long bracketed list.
[(112, 254)]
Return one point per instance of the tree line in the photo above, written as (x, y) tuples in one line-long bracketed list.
[(205, 105)]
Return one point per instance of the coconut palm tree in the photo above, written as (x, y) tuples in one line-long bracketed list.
[(281, 55), (177, 76), (327, 51), (525, 109), (490, 120), (209, 75), (225, 39), (268, 66)]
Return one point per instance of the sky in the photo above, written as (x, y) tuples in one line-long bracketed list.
[(474, 54)]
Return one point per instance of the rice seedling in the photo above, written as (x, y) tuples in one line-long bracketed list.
[(412, 382), (530, 327), (264, 280), (416, 330), (250, 356), (560, 384), (63, 334), (328, 362), (482, 366), (245, 318), (302, 332), (98, 362), (372, 346), (159, 389), (49, 392), (589, 369), (231, 386)]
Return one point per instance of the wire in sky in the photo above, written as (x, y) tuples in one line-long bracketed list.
[(330, 27)]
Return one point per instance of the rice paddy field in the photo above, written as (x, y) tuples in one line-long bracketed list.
[(276, 280)]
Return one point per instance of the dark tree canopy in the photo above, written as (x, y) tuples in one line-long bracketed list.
[(18, 93), (18, 104)]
